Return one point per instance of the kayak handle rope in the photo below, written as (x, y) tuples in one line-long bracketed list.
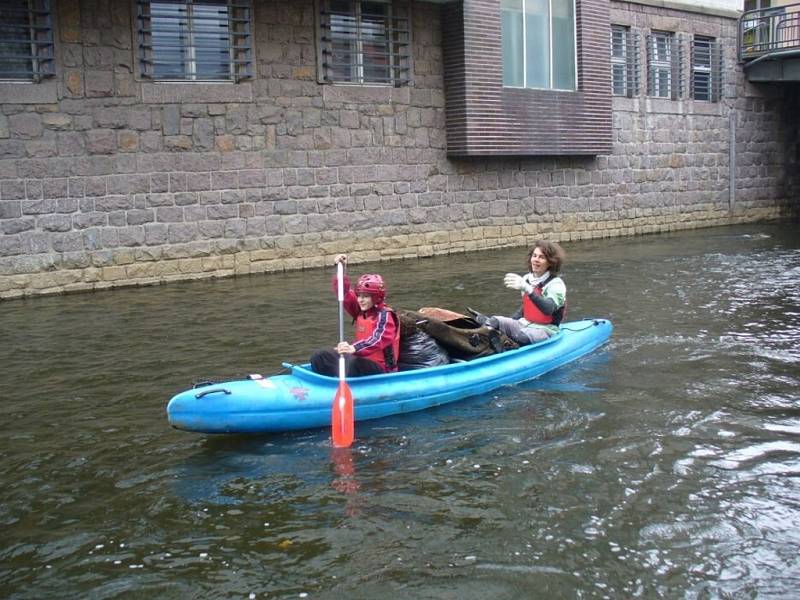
[(594, 323), (216, 391)]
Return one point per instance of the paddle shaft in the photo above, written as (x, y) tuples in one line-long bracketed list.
[(342, 409), (340, 297)]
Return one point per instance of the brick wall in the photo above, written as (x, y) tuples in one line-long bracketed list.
[(484, 118), (106, 180)]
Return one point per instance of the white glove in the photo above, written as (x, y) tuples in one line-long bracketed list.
[(517, 282)]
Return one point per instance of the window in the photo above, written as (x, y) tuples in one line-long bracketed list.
[(364, 42), (624, 61), (706, 69), (26, 40), (195, 40), (539, 44), (664, 65), (755, 4)]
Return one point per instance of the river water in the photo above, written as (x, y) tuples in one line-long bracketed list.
[(664, 465)]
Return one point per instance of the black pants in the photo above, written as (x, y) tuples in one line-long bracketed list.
[(326, 362)]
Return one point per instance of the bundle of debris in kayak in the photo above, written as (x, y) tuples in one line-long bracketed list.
[(433, 336)]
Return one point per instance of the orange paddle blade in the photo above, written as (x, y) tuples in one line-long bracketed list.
[(342, 417)]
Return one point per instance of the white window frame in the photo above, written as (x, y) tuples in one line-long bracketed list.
[(624, 61), (239, 39), (619, 54), (706, 63), (658, 65), (550, 50)]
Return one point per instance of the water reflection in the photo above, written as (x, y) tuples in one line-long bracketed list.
[(664, 465), (230, 468)]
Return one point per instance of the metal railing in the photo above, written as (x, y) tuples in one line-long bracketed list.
[(769, 31)]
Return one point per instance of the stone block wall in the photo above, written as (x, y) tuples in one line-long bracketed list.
[(108, 180)]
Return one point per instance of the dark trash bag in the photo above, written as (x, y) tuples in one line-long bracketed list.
[(418, 350)]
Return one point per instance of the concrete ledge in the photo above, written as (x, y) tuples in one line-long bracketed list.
[(365, 94), (24, 92), (172, 93)]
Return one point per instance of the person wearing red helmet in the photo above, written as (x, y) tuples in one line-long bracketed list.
[(377, 340)]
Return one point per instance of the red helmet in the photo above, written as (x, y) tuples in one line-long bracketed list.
[(372, 284)]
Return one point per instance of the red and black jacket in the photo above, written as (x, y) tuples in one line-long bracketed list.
[(377, 330)]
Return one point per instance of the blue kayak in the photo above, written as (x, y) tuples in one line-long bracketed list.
[(301, 399)]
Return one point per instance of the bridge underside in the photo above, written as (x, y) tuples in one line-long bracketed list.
[(773, 69)]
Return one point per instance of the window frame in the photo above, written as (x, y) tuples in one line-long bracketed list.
[(41, 60), (625, 64), (706, 64), (551, 70), (669, 65), (659, 67), (396, 38), (237, 35)]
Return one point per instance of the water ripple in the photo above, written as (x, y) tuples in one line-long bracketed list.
[(665, 465)]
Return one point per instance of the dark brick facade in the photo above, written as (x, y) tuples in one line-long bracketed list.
[(484, 118)]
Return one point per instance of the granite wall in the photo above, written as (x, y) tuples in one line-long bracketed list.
[(108, 180)]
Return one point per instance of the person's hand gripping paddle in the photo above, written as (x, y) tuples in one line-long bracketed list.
[(342, 409)]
